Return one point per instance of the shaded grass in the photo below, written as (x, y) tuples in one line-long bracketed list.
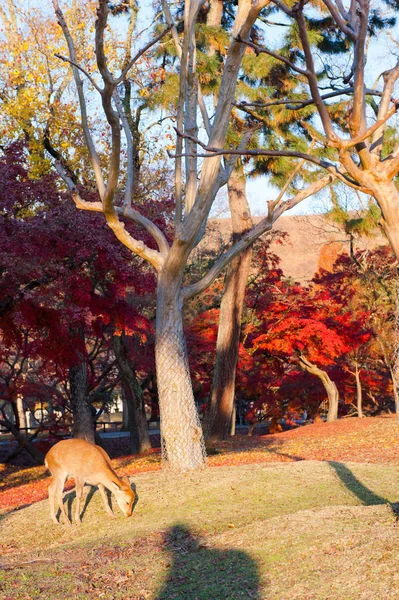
[(306, 530)]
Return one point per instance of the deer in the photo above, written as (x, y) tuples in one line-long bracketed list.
[(85, 463)]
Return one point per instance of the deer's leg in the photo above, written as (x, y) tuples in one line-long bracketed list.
[(61, 479), (105, 500), (79, 493), (52, 491)]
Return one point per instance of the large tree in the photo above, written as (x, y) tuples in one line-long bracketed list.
[(181, 432), (363, 152)]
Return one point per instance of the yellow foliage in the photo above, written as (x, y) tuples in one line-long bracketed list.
[(36, 91)]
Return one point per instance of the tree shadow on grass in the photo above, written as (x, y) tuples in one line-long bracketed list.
[(198, 572), (354, 485)]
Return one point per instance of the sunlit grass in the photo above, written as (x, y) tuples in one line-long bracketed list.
[(297, 530)]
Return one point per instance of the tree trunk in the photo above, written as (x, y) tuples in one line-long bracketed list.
[(215, 13), (15, 412), (233, 420), (359, 393), (137, 422), (395, 391), (83, 425), (387, 197), (21, 412), (329, 386), (181, 433), (125, 411), (220, 410)]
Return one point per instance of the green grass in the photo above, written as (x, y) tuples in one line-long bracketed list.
[(305, 530)]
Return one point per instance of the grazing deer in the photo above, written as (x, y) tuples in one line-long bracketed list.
[(86, 463)]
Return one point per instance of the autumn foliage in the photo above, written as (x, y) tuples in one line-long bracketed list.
[(68, 289)]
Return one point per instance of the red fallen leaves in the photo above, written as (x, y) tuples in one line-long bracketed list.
[(23, 495), (373, 439), (25, 492)]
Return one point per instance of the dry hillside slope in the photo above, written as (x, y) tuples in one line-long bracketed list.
[(312, 242)]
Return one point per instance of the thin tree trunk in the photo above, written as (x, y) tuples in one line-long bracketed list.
[(21, 411), (220, 410), (125, 411), (137, 422), (359, 392), (329, 386), (15, 412), (83, 425), (395, 392), (233, 420), (181, 433)]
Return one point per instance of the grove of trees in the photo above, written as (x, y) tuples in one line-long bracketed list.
[(116, 140)]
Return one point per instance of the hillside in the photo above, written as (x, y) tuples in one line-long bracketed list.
[(312, 242), (246, 528)]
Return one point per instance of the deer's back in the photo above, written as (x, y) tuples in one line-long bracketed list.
[(79, 459)]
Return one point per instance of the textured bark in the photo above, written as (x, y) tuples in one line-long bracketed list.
[(387, 197), (181, 432), (333, 398), (214, 17), (83, 425), (329, 386), (220, 410), (137, 423)]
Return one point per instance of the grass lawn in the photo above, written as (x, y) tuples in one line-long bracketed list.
[(305, 529)]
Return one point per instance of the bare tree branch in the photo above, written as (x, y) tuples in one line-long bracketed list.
[(341, 17), (363, 136), (74, 64), (261, 50), (331, 167), (249, 238), (95, 162), (140, 53), (231, 163), (358, 118), (130, 150), (311, 74), (283, 7), (390, 77), (192, 8), (175, 35), (298, 104), (246, 16), (137, 246)]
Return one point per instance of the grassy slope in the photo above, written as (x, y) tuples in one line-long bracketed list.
[(302, 530), (373, 440)]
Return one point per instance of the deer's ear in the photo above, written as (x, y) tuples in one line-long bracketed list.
[(116, 487), (126, 480)]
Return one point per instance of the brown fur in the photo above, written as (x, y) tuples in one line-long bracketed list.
[(85, 463)]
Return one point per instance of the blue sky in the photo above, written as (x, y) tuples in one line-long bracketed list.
[(382, 55)]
